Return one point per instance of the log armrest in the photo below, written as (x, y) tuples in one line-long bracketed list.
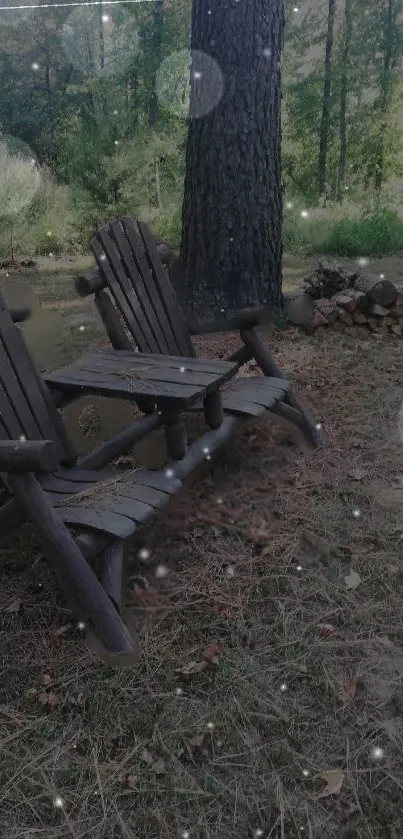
[(19, 315), (242, 319), (28, 456)]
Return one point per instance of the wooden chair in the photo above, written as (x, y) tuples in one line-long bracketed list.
[(80, 514), (138, 306)]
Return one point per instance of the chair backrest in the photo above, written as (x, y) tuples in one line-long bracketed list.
[(26, 406), (131, 269)]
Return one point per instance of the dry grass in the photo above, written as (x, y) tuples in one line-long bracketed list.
[(256, 554)]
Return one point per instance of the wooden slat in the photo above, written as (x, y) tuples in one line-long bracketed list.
[(118, 386), (129, 289), (167, 374), (104, 521), (151, 305), (236, 405), (10, 421), (166, 291), (208, 365), (157, 480), (133, 323), (19, 373), (131, 508)]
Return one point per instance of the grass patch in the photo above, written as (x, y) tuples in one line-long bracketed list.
[(257, 549)]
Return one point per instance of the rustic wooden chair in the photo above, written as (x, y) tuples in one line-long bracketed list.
[(80, 514), (139, 308)]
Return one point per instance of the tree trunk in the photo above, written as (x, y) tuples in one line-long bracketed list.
[(327, 87), (345, 57), (158, 23), (389, 39), (231, 246)]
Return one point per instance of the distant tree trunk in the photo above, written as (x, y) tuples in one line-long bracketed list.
[(327, 87), (158, 23), (345, 59), (231, 249), (389, 43)]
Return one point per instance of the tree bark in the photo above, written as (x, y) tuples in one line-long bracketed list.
[(327, 88), (231, 247), (345, 57), (158, 22), (389, 40)]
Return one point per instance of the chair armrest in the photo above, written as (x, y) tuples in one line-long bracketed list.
[(19, 315), (28, 456), (242, 319)]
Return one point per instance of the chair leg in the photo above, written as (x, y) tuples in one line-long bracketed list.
[(73, 571), (298, 416), (111, 570)]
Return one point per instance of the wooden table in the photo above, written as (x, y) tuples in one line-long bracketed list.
[(168, 384)]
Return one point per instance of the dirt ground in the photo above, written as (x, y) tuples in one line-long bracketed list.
[(279, 565)]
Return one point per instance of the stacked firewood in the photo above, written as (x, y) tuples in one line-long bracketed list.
[(334, 296)]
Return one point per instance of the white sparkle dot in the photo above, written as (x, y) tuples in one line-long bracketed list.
[(81, 625), (222, 310), (377, 753), (382, 276), (304, 213), (185, 834), (160, 413), (49, 233), (267, 52), (179, 691), (7, 274), (58, 802), (356, 514), (362, 260), (81, 328), (289, 205), (197, 74), (305, 773), (116, 142), (161, 571), (144, 553), (230, 571), (169, 473), (105, 18), (295, 9), (231, 238), (102, 257), (318, 426), (210, 726), (51, 256), (206, 450), (35, 66), (259, 832), (283, 687), (221, 501), (32, 161), (182, 369), (23, 438), (209, 12), (208, 456), (299, 567)]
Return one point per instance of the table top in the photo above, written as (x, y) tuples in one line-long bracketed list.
[(165, 379)]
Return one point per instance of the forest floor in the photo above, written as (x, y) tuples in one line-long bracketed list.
[(283, 566)]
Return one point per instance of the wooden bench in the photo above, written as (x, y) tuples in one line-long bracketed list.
[(138, 306)]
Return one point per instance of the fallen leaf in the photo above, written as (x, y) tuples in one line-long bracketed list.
[(334, 780), (48, 700), (132, 781), (342, 810), (13, 607), (350, 689), (212, 653), (192, 667), (159, 766), (353, 580), (327, 628), (78, 699), (146, 756), (62, 630), (46, 679), (358, 474)]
